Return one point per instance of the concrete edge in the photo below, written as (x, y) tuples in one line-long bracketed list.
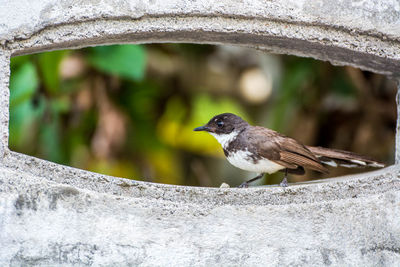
[(338, 45), (351, 186)]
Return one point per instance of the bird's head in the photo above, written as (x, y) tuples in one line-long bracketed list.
[(223, 124)]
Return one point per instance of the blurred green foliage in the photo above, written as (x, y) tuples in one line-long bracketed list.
[(130, 110), (126, 61), (40, 99), (23, 112)]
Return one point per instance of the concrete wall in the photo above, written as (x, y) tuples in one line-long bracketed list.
[(56, 215)]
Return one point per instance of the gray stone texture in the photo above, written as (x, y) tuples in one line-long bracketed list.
[(56, 215), (363, 33)]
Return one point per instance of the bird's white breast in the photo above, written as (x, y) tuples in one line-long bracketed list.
[(242, 160)]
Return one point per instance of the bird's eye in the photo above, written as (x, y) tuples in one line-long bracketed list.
[(220, 124)]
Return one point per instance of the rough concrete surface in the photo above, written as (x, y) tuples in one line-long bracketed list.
[(53, 215), (45, 223), (364, 33)]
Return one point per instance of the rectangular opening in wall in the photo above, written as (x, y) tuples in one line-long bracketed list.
[(130, 110)]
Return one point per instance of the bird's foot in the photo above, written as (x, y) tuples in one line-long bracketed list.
[(244, 185), (284, 183)]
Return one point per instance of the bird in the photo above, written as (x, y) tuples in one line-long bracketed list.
[(265, 151)]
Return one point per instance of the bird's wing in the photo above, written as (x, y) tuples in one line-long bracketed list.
[(284, 150), (300, 160)]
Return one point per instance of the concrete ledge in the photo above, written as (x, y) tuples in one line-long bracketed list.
[(337, 222), (340, 188)]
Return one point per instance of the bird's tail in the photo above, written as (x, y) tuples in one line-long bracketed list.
[(335, 158)]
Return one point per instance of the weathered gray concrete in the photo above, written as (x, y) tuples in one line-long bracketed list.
[(56, 215), (348, 221), (359, 33), (4, 99)]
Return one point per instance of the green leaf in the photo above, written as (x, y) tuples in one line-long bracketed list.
[(23, 84), (49, 65), (50, 139), (127, 61), (22, 119), (18, 61)]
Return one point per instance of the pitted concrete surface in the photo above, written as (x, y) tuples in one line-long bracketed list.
[(45, 223), (53, 215), (364, 34)]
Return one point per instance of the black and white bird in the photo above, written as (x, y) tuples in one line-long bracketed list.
[(261, 150)]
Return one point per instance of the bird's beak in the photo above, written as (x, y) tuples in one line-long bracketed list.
[(201, 128)]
